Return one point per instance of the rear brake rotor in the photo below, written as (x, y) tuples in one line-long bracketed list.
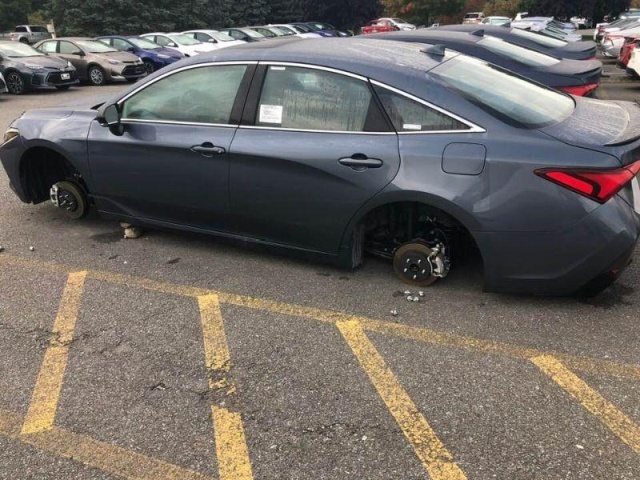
[(412, 264)]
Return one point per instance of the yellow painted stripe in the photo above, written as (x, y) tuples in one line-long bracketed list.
[(108, 458), (44, 401), (590, 399), (231, 445), (436, 459), (588, 365)]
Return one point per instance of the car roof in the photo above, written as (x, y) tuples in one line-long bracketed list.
[(365, 57), (435, 35)]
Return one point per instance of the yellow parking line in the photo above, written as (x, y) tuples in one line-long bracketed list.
[(108, 458), (432, 453), (44, 401), (595, 403), (231, 445), (584, 364)]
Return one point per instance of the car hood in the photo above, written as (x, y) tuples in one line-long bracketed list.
[(167, 51), (121, 56), (596, 124), (45, 61)]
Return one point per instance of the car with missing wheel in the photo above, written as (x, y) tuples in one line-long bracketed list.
[(25, 68), (95, 62), (311, 146)]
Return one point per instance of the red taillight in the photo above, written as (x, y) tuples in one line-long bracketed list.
[(579, 90), (598, 185)]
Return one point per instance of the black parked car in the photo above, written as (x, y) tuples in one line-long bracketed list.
[(25, 68), (582, 50), (577, 77)]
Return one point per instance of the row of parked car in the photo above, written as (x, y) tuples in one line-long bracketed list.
[(620, 39), (63, 62)]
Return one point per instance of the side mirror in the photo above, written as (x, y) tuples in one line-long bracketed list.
[(212, 40), (131, 49), (111, 118), (173, 44), (80, 53)]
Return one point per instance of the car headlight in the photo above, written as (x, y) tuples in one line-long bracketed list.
[(33, 66), (10, 134), (69, 65), (115, 62)]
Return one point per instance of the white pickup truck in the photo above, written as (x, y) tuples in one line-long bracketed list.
[(29, 34)]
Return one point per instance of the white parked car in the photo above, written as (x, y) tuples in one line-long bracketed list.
[(295, 30), (179, 42), (612, 42), (398, 23), (581, 22), (633, 67), (214, 37), (3, 85), (495, 20)]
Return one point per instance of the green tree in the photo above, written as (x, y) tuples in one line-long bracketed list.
[(423, 12)]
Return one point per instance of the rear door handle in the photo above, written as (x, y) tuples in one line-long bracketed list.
[(208, 149), (360, 162)]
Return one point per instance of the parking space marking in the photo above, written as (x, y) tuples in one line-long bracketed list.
[(587, 365), (231, 445), (590, 399), (108, 458), (44, 401), (436, 459)]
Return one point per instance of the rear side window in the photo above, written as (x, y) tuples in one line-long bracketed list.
[(507, 96), (198, 95), (38, 29), (68, 48), (21, 29), (407, 115), (308, 99)]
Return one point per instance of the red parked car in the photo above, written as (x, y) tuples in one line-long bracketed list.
[(379, 26), (630, 43)]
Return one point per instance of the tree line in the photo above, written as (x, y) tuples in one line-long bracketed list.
[(93, 17)]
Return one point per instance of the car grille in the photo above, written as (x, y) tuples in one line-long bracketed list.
[(133, 70), (55, 79)]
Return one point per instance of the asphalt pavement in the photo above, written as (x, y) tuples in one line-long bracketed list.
[(182, 356)]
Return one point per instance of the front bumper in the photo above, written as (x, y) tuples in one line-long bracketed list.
[(566, 262), (58, 78), (128, 71), (10, 154)]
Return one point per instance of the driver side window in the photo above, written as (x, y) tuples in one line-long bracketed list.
[(197, 95)]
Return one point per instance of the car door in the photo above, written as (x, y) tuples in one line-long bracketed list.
[(171, 163), (318, 148), (72, 53)]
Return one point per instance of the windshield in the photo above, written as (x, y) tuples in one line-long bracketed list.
[(144, 43), (253, 33), (183, 39), (222, 37), (538, 38), (92, 46), (18, 50), (504, 94), (518, 53), (284, 30), (311, 27), (266, 32)]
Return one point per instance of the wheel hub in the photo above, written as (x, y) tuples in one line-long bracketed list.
[(417, 266)]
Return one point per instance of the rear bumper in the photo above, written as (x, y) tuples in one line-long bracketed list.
[(594, 250)]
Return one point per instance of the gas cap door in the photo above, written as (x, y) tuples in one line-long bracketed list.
[(464, 158)]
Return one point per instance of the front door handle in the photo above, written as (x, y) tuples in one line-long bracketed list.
[(360, 162), (208, 149)]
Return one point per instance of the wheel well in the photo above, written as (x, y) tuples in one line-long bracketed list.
[(385, 228), (40, 168)]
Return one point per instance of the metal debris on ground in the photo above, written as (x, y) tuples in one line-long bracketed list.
[(416, 299), (132, 232), (421, 293), (407, 292), (32, 249), (394, 313), (1, 249), (409, 298)]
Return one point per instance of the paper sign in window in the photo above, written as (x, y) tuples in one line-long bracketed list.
[(270, 114)]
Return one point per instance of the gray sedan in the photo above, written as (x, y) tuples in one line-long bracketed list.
[(344, 148)]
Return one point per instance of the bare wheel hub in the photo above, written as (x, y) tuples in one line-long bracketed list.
[(416, 263)]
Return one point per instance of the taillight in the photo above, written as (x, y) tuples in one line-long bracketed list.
[(579, 90), (597, 184)]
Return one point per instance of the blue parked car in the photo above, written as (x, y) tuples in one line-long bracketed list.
[(153, 55)]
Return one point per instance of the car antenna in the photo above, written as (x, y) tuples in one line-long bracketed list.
[(434, 50), (478, 33)]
